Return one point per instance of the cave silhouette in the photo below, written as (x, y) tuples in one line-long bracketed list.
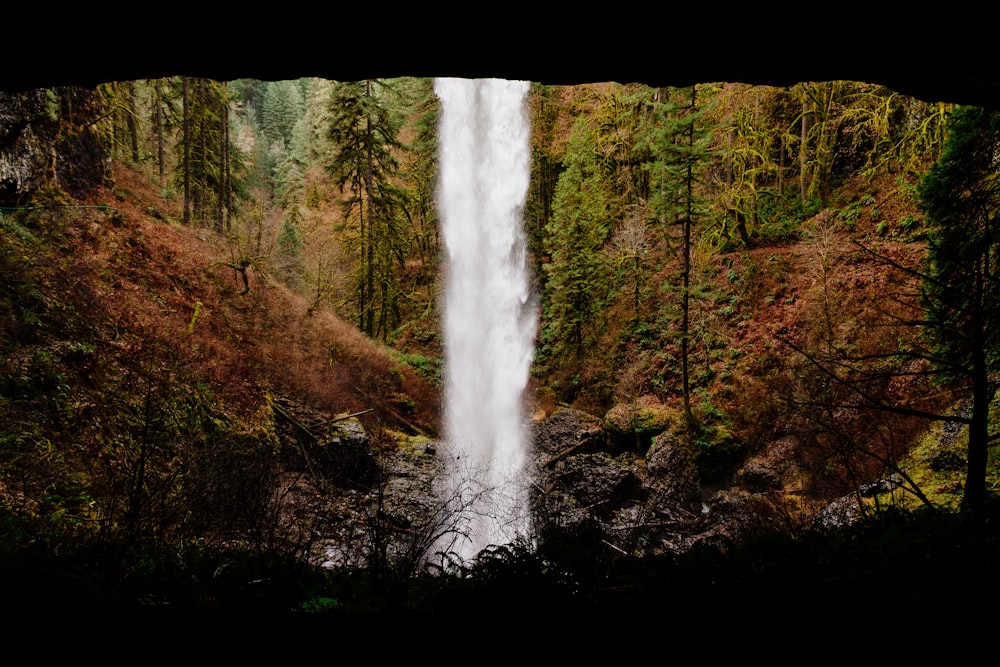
[(945, 55)]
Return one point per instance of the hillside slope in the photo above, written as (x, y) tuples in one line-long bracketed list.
[(130, 353)]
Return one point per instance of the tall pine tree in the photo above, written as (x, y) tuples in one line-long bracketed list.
[(365, 133), (681, 146)]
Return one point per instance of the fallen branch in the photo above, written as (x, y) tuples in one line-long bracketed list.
[(618, 549), (340, 419), (564, 453), (293, 421), (284, 414)]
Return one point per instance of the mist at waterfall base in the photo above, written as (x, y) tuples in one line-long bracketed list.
[(490, 314)]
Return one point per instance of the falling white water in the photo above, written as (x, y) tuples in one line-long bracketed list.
[(489, 314)]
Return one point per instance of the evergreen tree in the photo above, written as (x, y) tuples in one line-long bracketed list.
[(121, 98), (421, 175), (961, 198), (545, 168), (164, 116), (681, 149), (204, 153), (290, 246), (310, 143), (281, 107), (577, 274), (365, 134)]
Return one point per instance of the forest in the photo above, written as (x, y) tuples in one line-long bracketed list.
[(206, 277)]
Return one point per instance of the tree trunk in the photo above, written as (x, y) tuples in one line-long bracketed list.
[(133, 130), (187, 151), (223, 199), (686, 279), (974, 496), (369, 186), (803, 162), (158, 127), (202, 183)]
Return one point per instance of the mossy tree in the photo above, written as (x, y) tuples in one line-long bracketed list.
[(749, 171), (204, 169)]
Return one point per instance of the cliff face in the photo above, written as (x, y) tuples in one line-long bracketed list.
[(22, 142), (49, 136)]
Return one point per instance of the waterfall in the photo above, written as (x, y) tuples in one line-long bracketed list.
[(489, 311)]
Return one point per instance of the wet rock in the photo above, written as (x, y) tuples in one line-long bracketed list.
[(759, 478), (568, 430), (847, 509), (884, 485), (596, 482), (839, 513), (344, 454), (733, 514), (23, 149), (37, 143), (672, 471)]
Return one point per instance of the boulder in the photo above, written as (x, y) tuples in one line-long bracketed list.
[(596, 482), (672, 471), (345, 456), (24, 154), (568, 430), (51, 134), (633, 425)]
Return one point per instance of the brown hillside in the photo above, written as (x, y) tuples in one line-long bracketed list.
[(144, 281)]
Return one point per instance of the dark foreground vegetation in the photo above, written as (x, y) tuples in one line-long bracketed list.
[(894, 577)]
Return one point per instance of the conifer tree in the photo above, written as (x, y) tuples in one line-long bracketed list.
[(281, 107), (681, 149), (204, 152), (310, 143), (164, 117), (421, 174), (365, 134), (961, 197), (577, 273)]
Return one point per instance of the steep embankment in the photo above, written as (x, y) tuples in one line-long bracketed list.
[(125, 335)]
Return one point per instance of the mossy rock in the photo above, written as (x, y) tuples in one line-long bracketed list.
[(633, 426), (718, 452)]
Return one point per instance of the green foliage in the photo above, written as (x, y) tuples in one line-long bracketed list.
[(290, 247), (577, 273), (427, 367), (681, 145), (961, 295), (319, 605), (281, 107), (204, 153), (961, 198), (546, 164), (365, 135), (424, 107), (909, 223), (851, 213), (748, 160)]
